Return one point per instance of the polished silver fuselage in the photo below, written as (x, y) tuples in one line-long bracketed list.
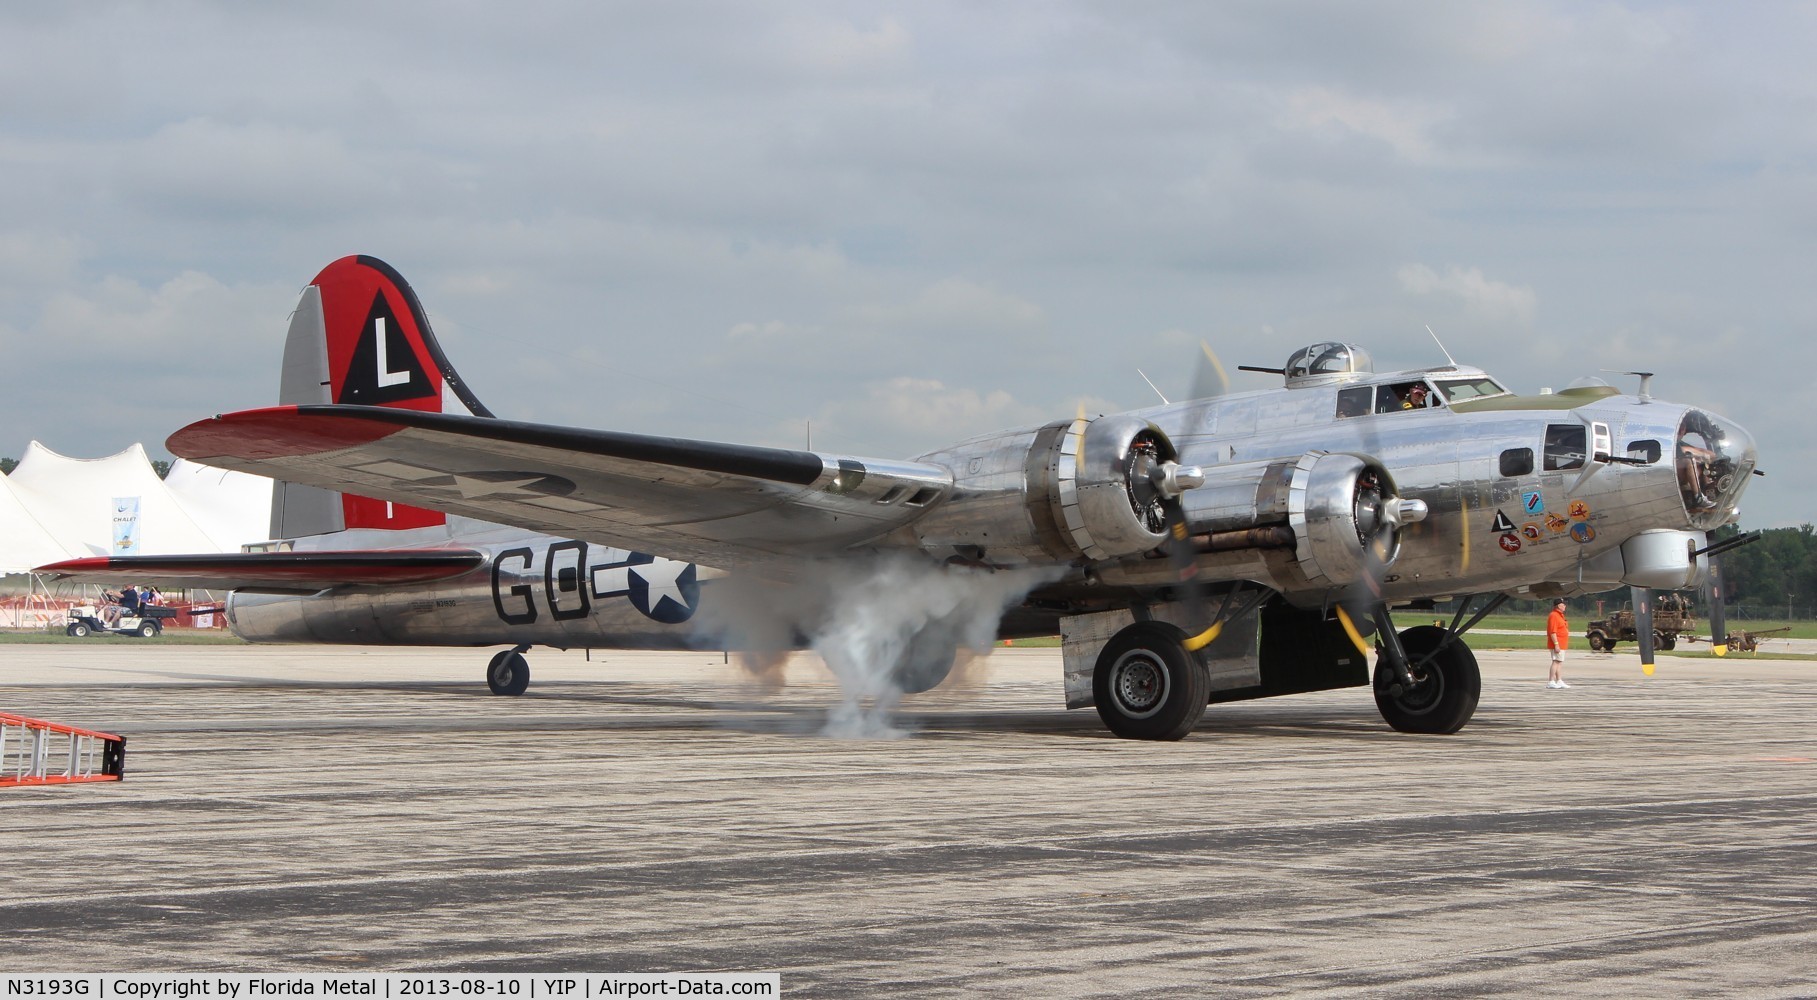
[(1450, 460), (1490, 526)]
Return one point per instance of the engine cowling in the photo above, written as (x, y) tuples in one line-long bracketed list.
[(1091, 489), (1070, 489), (1333, 505)]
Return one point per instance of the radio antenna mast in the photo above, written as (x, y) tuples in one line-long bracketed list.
[(1152, 385), (1441, 346)]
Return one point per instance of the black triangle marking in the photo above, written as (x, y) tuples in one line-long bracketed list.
[(1502, 523), (403, 377)]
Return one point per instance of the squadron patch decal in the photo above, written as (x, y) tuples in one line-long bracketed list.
[(1533, 502), (1583, 533)]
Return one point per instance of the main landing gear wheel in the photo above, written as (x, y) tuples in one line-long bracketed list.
[(926, 662), (1147, 685), (508, 673), (1444, 692)]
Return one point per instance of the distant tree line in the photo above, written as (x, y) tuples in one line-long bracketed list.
[(1775, 577), (7, 465)]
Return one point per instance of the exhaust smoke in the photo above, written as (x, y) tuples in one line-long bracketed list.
[(886, 625)]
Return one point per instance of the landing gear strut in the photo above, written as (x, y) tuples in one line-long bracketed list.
[(1427, 680), (509, 672), (1147, 685)]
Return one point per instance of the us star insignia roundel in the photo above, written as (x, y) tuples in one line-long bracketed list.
[(664, 589)]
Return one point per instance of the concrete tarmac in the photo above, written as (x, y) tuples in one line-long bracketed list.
[(324, 809)]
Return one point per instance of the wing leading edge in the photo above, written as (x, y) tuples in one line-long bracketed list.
[(720, 504)]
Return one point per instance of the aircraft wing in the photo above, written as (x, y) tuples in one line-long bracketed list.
[(271, 572), (721, 504)]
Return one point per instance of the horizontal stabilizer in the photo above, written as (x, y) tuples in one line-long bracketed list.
[(273, 572)]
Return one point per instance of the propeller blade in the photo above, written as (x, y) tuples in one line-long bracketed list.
[(1209, 378)]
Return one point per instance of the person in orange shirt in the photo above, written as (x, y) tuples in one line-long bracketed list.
[(1558, 636)]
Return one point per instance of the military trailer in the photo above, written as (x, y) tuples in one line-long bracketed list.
[(1672, 617)]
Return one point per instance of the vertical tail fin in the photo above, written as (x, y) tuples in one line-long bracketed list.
[(359, 335)]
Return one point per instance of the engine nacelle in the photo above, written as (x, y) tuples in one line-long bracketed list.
[(1071, 489), (1086, 489), (1334, 506)]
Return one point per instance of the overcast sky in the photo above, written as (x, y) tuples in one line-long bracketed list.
[(909, 223)]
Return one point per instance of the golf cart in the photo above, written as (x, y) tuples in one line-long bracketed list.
[(85, 619)]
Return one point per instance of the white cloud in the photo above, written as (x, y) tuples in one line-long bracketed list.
[(926, 411), (770, 332), (1403, 126), (838, 47), (1482, 296), (712, 218), (954, 303), (31, 262)]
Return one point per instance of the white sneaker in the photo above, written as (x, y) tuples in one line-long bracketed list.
[(1551, 684), (1562, 684)]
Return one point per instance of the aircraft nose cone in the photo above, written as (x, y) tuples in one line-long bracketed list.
[(1715, 456)]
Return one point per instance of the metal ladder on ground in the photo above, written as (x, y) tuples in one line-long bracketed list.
[(36, 752)]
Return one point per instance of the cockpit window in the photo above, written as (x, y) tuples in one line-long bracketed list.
[(1398, 396), (1566, 446), (1470, 388)]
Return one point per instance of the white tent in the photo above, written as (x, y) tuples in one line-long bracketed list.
[(73, 503), (233, 507), (24, 542)]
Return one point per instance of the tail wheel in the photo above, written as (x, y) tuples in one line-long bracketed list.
[(1444, 693), (508, 673), (1147, 685)]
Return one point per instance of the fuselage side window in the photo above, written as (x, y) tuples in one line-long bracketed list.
[(1565, 447), (1647, 450), (1517, 462), (1354, 401)]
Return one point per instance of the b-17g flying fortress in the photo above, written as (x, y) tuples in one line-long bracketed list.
[(1211, 550), (724, 524)]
